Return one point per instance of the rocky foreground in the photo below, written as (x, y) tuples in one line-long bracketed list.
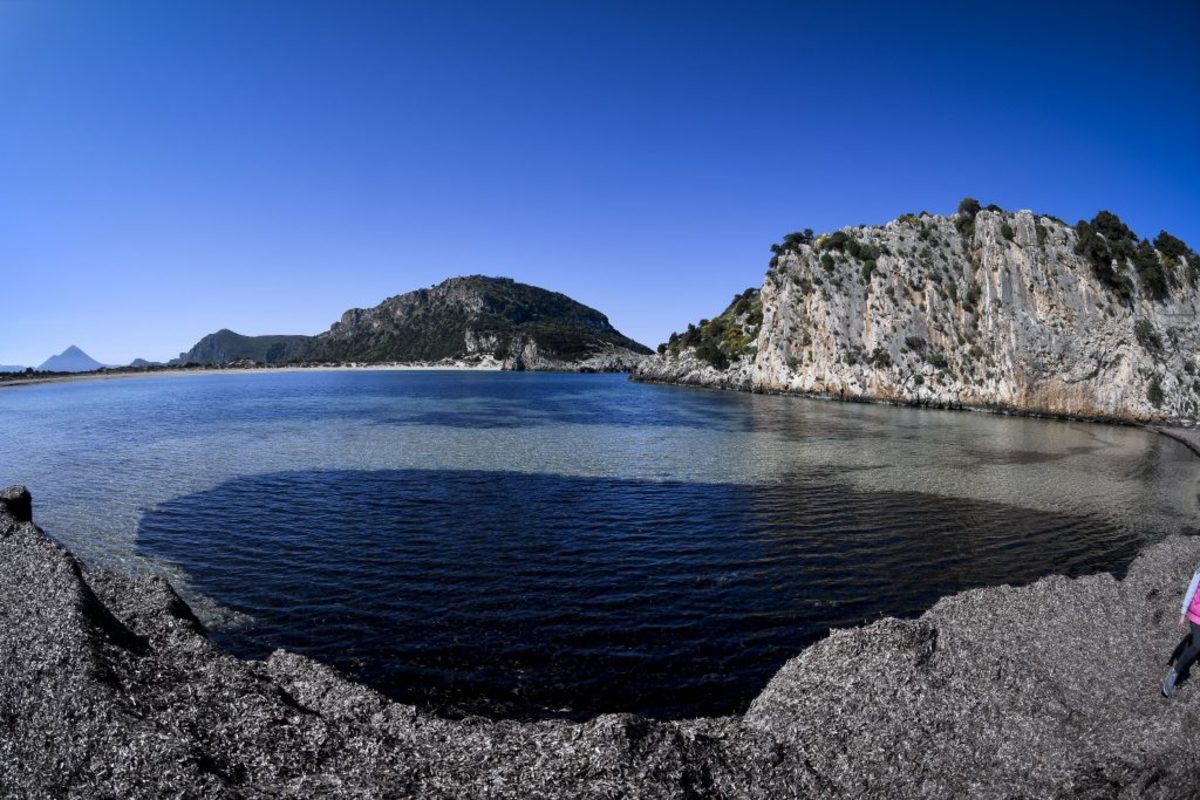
[(109, 687)]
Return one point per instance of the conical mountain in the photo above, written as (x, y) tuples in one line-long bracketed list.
[(70, 360)]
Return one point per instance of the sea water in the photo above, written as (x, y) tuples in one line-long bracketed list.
[(531, 545)]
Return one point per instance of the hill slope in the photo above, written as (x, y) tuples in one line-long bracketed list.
[(225, 346), (474, 319), (521, 325), (984, 308), (70, 360)]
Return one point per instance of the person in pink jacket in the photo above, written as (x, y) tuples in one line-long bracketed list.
[(1189, 648)]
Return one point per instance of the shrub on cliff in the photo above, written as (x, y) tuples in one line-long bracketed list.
[(1154, 275), (880, 357), (1006, 231), (1170, 246), (1154, 392), (1107, 243), (793, 241), (836, 241), (968, 209), (1174, 249), (868, 268), (1147, 337)]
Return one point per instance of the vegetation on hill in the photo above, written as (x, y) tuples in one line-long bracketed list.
[(226, 346), (464, 317), (497, 314), (728, 337)]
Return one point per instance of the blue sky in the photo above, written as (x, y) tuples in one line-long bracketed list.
[(168, 169)]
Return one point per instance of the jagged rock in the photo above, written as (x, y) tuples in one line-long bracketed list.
[(109, 687), (995, 311)]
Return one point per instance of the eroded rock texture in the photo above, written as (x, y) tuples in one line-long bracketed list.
[(996, 310)]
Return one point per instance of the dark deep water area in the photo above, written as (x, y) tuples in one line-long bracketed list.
[(517, 594), (567, 545)]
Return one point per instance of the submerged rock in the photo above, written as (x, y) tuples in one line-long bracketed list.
[(109, 687)]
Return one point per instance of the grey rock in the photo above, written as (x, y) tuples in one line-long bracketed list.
[(109, 687), (982, 321)]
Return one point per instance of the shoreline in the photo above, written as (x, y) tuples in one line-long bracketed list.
[(37, 379), (987, 688), (863, 399)]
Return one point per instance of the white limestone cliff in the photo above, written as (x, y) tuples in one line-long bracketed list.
[(996, 312)]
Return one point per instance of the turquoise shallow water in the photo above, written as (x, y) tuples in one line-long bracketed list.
[(544, 544)]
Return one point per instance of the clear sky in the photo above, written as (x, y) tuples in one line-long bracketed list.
[(169, 169)]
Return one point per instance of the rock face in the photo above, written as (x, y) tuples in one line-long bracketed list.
[(984, 309), (70, 360), (475, 320), (109, 687)]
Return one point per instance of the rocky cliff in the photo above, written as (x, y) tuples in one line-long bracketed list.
[(984, 308), (109, 687), (474, 320)]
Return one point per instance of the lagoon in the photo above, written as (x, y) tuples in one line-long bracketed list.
[(533, 544)]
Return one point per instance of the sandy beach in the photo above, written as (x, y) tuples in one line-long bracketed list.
[(18, 379)]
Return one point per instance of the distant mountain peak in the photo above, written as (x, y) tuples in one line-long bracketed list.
[(72, 359)]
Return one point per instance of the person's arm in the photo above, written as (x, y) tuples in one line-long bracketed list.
[(1187, 597)]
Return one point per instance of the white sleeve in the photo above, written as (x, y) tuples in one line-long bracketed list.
[(1191, 592)]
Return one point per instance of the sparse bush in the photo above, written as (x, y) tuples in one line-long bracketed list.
[(965, 220), (1147, 337), (937, 359), (793, 241), (973, 295), (1152, 272), (1168, 245), (1107, 242), (880, 357), (915, 343), (836, 241), (1006, 231), (1154, 392)]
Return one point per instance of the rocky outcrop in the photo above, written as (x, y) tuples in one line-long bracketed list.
[(109, 687), (985, 309), (472, 320)]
